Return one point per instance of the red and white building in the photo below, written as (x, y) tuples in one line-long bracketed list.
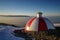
[(39, 23)]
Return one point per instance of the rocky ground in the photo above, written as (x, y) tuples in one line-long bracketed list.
[(42, 35), (45, 35)]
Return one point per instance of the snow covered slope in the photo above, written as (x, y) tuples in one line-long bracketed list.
[(6, 33)]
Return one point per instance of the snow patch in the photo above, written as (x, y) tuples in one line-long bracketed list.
[(6, 33)]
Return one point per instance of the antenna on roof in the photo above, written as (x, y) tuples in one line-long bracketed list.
[(39, 14)]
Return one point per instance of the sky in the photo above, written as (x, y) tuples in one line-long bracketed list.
[(30, 7)]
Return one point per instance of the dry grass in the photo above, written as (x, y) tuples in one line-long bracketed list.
[(43, 35)]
